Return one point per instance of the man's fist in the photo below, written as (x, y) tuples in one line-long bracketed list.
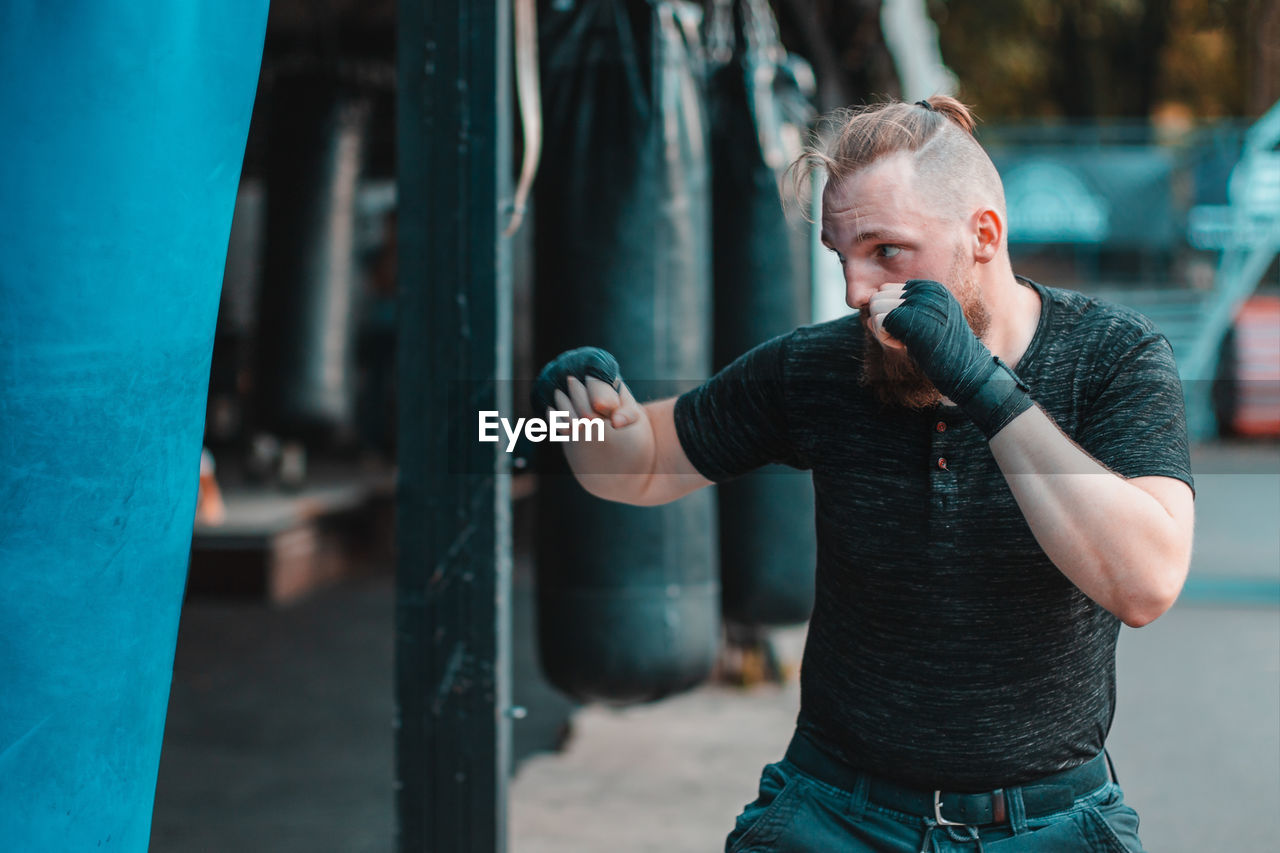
[(586, 383), (931, 324)]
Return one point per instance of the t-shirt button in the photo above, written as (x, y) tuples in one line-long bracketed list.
[(940, 426), (942, 462)]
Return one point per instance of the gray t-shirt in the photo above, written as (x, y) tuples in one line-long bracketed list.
[(945, 650)]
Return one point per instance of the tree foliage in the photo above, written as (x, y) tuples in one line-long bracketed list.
[(1078, 59)]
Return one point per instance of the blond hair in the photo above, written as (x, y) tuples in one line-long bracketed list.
[(950, 165)]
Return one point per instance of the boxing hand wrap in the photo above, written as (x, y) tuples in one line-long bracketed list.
[(931, 324), (998, 400), (580, 363)]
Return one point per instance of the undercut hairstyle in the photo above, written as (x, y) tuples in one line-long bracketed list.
[(950, 165)]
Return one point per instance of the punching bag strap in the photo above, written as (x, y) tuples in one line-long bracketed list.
[(528, 87)]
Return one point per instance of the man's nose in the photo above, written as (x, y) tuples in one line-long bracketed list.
[(858, 289)]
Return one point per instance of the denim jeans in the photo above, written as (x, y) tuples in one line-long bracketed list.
[(796, 813)]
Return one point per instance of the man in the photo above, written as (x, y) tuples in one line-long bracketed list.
[(1001, 478)]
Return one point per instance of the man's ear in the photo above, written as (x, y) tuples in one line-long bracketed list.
[(988, 234)]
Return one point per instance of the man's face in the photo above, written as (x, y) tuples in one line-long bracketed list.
[(885, 230), (893, 375)]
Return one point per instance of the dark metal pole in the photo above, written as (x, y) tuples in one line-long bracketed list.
[(454, 527)]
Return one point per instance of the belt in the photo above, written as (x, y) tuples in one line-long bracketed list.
[(1046, 795)]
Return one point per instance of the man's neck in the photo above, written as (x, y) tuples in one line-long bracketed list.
[(1015, 314)]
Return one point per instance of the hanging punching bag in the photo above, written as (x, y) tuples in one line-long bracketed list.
[(310, 292), (124, 129), (758, 118), (628, 599)]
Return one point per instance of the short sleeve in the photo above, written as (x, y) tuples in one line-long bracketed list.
[(736, 421), (1136, 423)]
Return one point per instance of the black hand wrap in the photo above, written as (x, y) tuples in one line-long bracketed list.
[(931, 324), (581, 362)]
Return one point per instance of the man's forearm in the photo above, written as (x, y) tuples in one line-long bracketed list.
[(619, 467), (641, 463), (1115, 541)]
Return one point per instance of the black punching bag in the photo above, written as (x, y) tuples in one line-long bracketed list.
[(628, 598), (759, 117), (311, 287)]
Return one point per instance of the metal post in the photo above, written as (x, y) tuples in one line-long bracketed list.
[(454, 525)]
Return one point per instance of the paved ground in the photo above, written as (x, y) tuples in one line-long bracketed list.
[(279, 729)]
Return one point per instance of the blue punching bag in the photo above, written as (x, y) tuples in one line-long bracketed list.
[(123, 130)]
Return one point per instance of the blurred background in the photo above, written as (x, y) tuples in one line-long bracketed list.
[(1138, 145)]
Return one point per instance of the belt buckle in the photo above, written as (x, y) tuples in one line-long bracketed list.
[(937, 812)]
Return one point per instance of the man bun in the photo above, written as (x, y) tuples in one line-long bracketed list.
[(951, 108)]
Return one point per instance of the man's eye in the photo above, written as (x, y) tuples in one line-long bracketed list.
[(888, 251)]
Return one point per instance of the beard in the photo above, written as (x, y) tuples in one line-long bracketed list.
[(891, 373)]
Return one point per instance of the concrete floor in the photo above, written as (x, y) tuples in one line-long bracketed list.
[(279, 731), (1196, 743)]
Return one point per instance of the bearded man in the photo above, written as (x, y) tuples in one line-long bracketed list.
[(1002, 477)]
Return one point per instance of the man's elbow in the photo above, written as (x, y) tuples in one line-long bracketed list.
[(1138, 616), (1154, 600)]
